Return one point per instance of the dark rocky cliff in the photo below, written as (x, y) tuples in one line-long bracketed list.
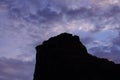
[(65, 57)]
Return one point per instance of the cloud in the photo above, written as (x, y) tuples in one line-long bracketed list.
[(109, 51), (105, 3), (27, 23), (12, 69)]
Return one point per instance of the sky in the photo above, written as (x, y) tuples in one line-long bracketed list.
[(24, 24)]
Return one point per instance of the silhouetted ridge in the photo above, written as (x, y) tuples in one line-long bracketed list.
[(65, 57)]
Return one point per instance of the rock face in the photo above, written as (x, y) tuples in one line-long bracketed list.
[(64, 57)]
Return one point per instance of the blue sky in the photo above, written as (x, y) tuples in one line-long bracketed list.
[(26, 23)]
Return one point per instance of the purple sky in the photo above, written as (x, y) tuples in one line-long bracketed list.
[(27, 23)]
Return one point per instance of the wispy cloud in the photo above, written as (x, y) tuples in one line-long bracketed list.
[(27, 23), (12, 69)]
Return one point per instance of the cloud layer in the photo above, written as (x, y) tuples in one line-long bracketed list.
[(27, 23), (11, 69)]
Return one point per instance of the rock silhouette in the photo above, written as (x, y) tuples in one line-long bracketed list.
[(64, 57)]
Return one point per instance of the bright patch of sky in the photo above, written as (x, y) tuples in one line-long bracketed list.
[(105, 35)]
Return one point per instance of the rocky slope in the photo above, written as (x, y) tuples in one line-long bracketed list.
[(65, 57)]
